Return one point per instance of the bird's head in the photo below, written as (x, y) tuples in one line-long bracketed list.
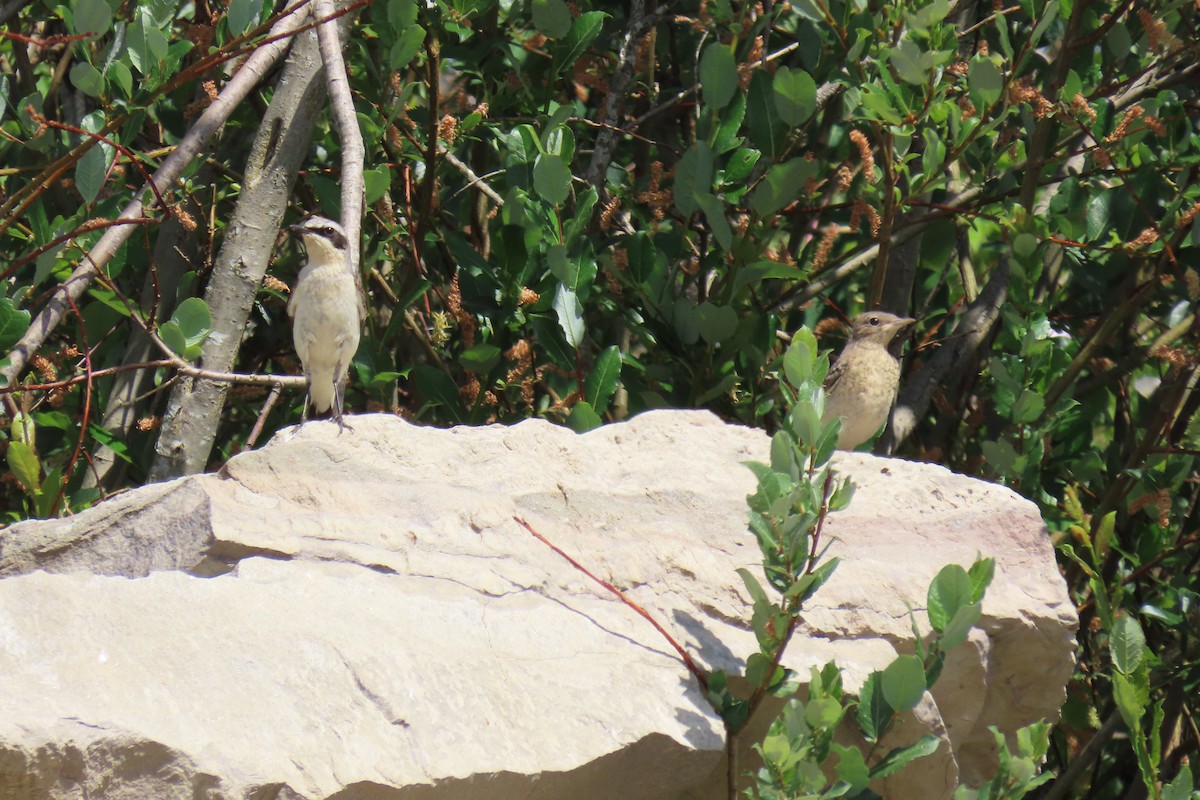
[(878, 326), (324, 239)]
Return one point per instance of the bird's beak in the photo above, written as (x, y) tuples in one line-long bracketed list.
[(296, 229), (897, 326)]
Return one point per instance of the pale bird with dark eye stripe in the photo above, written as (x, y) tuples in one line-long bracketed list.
[(861, 385), (327, 315)]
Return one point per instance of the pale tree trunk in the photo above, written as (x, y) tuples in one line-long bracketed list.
[(280, 147)]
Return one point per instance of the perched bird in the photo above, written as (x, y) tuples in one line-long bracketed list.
[(327, 315), (861, 385)]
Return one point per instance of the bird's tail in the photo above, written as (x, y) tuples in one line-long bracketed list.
[(320, 392)]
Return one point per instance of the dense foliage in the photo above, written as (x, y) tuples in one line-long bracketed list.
[(583, 210)]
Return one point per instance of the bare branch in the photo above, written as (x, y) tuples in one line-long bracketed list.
[(947, 364), (606, 142), (70, 290), (342, 104), (472, 178)]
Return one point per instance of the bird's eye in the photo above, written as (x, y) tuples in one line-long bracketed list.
[(874, 320)]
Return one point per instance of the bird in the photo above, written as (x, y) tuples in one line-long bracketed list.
[(861, 385), (327, 313)]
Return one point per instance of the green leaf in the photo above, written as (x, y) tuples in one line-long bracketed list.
[(13, 324), (583, 418), (23, 429), (876, 100), (985, 82), (767, 130), (376, 183), (111, 441), (909, 61), (781, 185), (570, 316), (799, 360), (45, 500), (194, 320), (552, 179), (852, 767), (601, 382), (740, 165), (401, 13), (87, 79), (1132, 695), (874, 712), (481, 358), (960, 625), (728, 135), (903, 756), (406, 46), (1029, 406), (714, 212), (927, 16), (146, 43), (717, 323), (1098, 210), (1118, 41), (903, 682), (122, 77), (91, 170), (686, 320), (1024, 245), (1127, 644), (757, 593), (822, 712), (1180, 788), (243, 15), (91, 16), (759, 271), (552, 18), (25, 466), (718, 75), (560, 266), (437, 388), (693, 177), (584, 31), (173, 337), (795, 95), (560, 141), (949, 591)]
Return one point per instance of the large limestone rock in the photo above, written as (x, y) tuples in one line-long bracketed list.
[(361, 616)]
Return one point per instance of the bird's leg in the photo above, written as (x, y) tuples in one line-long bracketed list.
[(304, 410), (339, 399)]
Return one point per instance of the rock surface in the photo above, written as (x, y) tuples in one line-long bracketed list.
[(360, 616)]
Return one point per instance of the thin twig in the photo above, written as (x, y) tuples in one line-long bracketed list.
[(683, 654), (100, 373), (472, 178), (276, 390)]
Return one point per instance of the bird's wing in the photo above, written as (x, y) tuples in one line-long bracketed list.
[(835, 374)]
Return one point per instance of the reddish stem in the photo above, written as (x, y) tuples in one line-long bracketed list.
[(687, 659)]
